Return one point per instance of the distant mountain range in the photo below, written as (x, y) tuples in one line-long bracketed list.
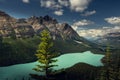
[(112, 39), (65, 38), (34, 25), (20, 28)]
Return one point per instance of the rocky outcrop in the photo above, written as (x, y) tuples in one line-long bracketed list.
[(58, 30), (34, 25), (10, 26), (3, 14), (23, 30), (6, 24)]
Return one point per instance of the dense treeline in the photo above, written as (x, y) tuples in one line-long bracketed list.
[(111, 68), (22, 50), (81, 71), (13, 51)]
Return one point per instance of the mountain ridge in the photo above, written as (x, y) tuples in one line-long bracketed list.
[(28, 27), (35, 25), (111, 39), (21, 38)]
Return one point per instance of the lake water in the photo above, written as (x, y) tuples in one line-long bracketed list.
[(19, 71)]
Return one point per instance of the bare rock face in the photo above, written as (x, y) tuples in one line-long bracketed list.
[(18, 27), (34, 25), (23, 30), (3, 14), (66, 31), (6, 23), (63, 31)]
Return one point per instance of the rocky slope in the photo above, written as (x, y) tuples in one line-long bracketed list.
[(11, 27), (21, 28), (61, 32), (34, 25)]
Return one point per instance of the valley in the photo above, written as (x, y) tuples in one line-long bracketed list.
[(78, 57)]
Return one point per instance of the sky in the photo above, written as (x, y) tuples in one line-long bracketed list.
[(88, 17)]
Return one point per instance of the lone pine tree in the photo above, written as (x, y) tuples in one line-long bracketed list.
[(45, 54)]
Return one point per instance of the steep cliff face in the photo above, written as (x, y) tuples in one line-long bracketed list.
[(20, 28), (34, 25), (10, 26), (58, 30), (3, 14), (66, 31), (6, 24), (23, 30)]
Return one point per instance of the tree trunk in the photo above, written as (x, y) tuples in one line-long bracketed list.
[(46, 73)]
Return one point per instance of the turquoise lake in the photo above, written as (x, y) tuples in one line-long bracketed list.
[(64, 61)]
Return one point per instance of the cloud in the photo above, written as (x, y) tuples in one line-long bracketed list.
[(74, 5), (113, 20), (95, 33), (89, 13), (64, 2), (50, 4), (26, 1), (90, 33), (58, 12), (83, 22), (79, 5)]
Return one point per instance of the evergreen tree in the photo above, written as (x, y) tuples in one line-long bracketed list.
[(45, 54), (116, 67), (1, 44), (108, 63), (13, 34), (111, 68)]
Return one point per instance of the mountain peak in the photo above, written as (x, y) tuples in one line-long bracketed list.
[(3, 14), (47, 18), (36, 24)]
